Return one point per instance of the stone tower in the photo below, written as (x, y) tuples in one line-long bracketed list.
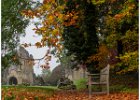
[(19, 74)]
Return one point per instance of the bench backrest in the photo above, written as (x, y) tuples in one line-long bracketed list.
[(104, 74)]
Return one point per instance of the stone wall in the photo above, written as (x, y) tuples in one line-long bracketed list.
[(77, 74)]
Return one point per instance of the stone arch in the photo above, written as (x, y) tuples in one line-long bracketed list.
[(13, 80)]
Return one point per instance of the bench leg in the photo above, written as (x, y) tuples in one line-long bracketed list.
[(100, 87), (107, 88), (89, 87)]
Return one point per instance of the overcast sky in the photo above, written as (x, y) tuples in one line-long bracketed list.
[(32, 38)]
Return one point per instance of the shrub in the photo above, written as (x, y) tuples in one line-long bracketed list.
[(65, 83), (81, 84)]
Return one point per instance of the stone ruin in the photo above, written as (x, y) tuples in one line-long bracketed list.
[(19, 74)]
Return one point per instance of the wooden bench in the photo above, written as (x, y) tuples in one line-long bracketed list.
[(103, 80)]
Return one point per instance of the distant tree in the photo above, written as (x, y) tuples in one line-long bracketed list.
[(46, 73), (38, 80), (56, 74)]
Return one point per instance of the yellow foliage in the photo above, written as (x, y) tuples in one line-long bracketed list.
[(98, 2), (43, 28), (60, 16), (52, 25), (51, 18), (130, 60), (55, 31)]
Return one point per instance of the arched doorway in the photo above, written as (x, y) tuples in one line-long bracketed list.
[(13, 80)]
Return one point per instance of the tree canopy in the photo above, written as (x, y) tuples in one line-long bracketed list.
[(13, 25), (118, 28), (88, 30)]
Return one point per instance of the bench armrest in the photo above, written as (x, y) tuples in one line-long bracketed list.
[(97, 74), (93, 74), (104, 74)]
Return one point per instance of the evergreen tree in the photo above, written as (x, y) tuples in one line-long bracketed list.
[(81, 39)]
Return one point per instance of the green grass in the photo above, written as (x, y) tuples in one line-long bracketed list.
[(39, 92), (122, 88), (44, 87), (81, 84), (47, 88)]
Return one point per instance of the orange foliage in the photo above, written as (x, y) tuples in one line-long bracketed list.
[(101, 56), (38, 44), (70, 18), (118, 17), (52, 24)]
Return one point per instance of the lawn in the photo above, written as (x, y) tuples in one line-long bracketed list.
[(52, 93), (27, 92)]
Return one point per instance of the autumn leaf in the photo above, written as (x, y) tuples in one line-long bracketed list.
[(25, 45), (50, 18), (38, 45)]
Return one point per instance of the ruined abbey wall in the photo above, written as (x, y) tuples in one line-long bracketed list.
[(19, 74)]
